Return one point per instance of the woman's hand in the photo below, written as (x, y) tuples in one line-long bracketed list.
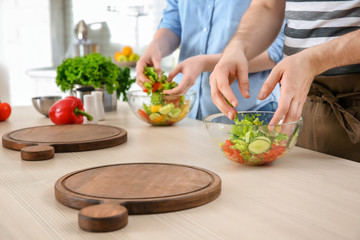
[(151, 57), (191, 68)]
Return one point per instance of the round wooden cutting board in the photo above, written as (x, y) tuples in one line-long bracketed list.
[(41, 143), (107, 194)]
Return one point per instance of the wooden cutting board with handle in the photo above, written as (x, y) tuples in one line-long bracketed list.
[(107, 194), (41, 143)]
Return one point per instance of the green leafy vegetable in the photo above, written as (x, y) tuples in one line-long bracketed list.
[(124, 82), (93, 70), (156, 84)]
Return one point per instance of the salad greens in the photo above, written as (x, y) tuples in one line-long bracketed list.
[(156, 84), (250, 141), (163, 109)]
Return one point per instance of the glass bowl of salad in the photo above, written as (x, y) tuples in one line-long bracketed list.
[(159, 109), (249, 139)]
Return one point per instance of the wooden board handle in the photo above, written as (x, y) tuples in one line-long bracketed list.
[(37, 153), (103, 217)]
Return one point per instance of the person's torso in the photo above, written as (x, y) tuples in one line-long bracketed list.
[(206, 28), (310, 23)]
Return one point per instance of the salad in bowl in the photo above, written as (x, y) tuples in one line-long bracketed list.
[(249, 139)]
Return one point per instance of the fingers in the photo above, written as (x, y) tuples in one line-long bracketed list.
[(283, 107), (174, 72), (182, 88), (141, 64), (289, 109), (269, 84), (140, 77), (220, 102), (294, 113), (220, 88), (157, 67), (243, 81)]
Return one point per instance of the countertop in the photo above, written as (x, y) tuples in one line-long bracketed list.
[(305, 195)]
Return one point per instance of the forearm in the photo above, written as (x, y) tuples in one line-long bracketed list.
[(166, 41), (260, 63), (263, 62), (255, 34), (341, 51)]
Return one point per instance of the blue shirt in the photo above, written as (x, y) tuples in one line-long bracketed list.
[(206, 27)]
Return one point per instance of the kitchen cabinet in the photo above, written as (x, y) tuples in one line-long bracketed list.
[(305, 195)]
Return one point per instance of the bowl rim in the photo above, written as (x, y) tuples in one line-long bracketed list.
[(208, 119), (47, 97), (144, 94)]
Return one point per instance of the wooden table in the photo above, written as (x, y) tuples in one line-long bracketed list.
[(305, 195)]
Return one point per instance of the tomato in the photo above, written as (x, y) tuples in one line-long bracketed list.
[(5, 111), (155, 87), (273, 153), (232, 154), (143, 115)]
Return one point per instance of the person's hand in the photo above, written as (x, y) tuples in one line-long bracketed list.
[(232, 65), (191, 68), (295, 75), (151, 57)]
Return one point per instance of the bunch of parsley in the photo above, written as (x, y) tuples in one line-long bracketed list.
[(93, 70)]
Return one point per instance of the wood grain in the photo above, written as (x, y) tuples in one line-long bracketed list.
[(142, 188), (36, 143), (305, 195)]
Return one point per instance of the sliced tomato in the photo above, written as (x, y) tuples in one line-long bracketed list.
[(273, 153), (155, 87), (232, 154), (145, 90), (143, 115)]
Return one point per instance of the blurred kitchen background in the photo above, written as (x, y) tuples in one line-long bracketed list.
[(37, 35)]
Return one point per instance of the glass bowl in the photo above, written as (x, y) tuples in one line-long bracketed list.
[(160, 109), (251, 144)]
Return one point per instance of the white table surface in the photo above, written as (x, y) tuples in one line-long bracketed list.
[(305, 195)]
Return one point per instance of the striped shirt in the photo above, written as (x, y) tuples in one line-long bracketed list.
[(311, 22)]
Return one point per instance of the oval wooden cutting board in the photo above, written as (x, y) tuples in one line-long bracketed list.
[(41, 143), (107, 194)]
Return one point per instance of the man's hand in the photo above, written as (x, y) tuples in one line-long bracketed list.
[(233, 64), (295, 75)]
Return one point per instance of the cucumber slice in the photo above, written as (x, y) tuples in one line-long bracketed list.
[(175, 113), (259, 146), (154, 116), (292, 141), (263, 138), (239, 144), (166, 109)]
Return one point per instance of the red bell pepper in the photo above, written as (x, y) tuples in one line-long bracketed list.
[(69, 110)]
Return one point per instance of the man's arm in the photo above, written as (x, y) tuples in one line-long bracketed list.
[(258, 28), (296, 73), (342, 51)]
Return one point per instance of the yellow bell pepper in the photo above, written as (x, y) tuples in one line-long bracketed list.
[(155, 108)]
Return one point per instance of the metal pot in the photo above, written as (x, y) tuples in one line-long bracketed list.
[(83, 49), (109, 100)]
